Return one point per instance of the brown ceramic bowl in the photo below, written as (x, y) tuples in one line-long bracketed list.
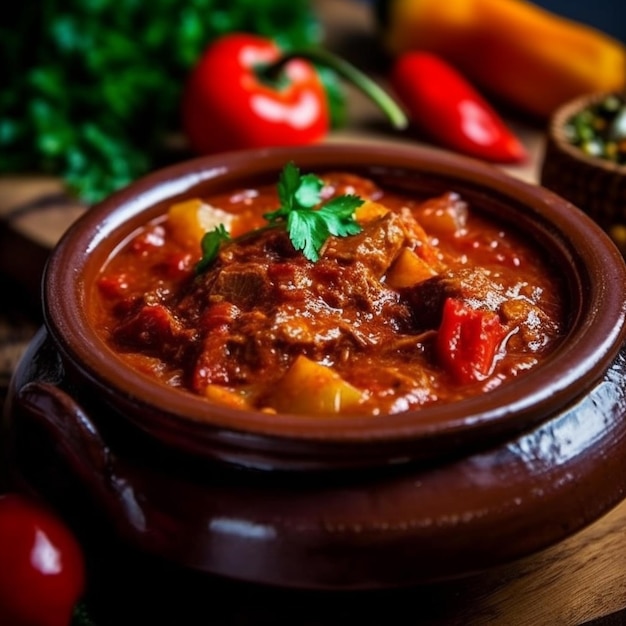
[(594, 184), (577, 249), (349, 503)]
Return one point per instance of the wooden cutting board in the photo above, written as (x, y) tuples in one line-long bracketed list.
[(34, 213)]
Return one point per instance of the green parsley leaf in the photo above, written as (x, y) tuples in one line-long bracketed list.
[(288, 184), (308, 222), (339, 215), (210, 244), (309, 227), (306, 230), (295, 192), (309, 191)]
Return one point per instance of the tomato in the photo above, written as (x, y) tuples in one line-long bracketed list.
[(42, 570)]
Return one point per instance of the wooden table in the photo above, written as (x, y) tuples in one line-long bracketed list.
[(581, 580)]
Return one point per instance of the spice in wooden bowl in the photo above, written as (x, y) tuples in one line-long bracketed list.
[(585, 159)]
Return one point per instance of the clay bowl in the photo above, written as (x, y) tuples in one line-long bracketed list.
[(351, 503), (595, 184), (577, 248)]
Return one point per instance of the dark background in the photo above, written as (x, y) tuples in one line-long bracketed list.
[(607, 15)]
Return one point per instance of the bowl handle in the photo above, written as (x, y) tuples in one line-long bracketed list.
[(82, 447)]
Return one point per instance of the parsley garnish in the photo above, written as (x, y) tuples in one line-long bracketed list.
[(307, 226), (308, 222), (210, 244)]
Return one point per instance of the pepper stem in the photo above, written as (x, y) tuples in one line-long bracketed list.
[(350, 73)]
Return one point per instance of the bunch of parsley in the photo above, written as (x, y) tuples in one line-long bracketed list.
[(91, 88)]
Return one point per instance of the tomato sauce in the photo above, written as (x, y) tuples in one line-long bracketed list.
[(431, 302)]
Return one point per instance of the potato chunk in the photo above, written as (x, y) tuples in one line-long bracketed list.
[(444, 215), (408, 269), (222, 395), (190, 219), (310, 387), (369, 211)]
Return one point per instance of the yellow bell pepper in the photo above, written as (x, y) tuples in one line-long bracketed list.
[(532, 58)]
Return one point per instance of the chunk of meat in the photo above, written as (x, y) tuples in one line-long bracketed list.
[(444, 215), (340, 183), (156, 330), (243, 284), (376, 246), (472, 285), (535, 327)]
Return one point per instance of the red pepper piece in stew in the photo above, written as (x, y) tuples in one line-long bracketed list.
[(468, 341)]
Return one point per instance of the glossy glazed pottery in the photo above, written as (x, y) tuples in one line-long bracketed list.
[(333, 504)]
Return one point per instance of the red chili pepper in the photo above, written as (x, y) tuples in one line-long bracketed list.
[(445, 106), (42, 571), (246, 92), (468, 341)]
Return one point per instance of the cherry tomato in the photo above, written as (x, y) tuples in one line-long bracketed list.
[(42, 570)]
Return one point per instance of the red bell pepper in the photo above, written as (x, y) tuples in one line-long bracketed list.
[(448, 109), (468, 341), (246, 92)]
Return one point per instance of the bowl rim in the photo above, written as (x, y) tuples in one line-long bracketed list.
[(597, 332)]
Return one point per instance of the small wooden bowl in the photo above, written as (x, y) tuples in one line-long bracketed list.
[(594, 184)]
